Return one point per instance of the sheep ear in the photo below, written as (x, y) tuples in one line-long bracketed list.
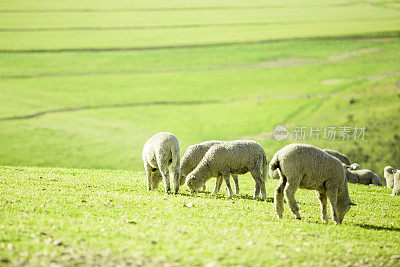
[(352, 203)]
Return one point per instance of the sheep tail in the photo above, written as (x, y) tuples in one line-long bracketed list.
[(176, 158), (274, 164)]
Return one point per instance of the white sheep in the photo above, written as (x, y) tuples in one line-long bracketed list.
[(192, 157), (341, 157), (308, 167), (160, 151), (355, 166), (388, 174), (363, 176), (396, 185), (237, 157), (273, 174)]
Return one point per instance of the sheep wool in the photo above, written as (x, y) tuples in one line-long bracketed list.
[(308, 167), (396, 185), (363, 176), (273, 174), (336, 154), (192, 157), (160, 151), (388, 174), (237, 157)]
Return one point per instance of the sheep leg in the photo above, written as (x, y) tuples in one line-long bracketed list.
[(175, 176), (279, 197), (257, 190), (228, 184), (148, 173), (218, 183), (263, 191), (322, 198), (257, 177), (163, 168), (290, 191), (332, 195), (203, 188), (236, 180)]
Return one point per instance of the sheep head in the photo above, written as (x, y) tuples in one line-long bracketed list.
[(194, 183)]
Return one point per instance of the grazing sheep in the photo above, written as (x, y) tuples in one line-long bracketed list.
[(160, 151), (194, 154), (396, 185), (273, 174), (341, 157), (237, 157), (363, 176), (389, 173), (355, 166), (308, 167)]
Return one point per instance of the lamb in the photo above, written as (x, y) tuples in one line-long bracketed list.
[(388, 174), (308, 167), (273, 174), (336, 154), (363, 176), (160, 151), (237, 157), (396, 185), (194, 154), (355, 166)]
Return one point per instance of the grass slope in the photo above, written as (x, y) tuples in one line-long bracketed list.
[(259, 85), (73, 216), (308, 81), (191, 24)]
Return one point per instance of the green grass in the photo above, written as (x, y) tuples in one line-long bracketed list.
[(251, 74), (251, 64), (111, 213)]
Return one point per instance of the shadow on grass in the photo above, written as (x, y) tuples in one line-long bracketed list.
[(377, 227), (205, 194)]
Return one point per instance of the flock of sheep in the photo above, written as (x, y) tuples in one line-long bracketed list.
[(296, 165)]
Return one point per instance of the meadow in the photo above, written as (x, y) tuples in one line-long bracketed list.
[(83, 84), (70, 216)]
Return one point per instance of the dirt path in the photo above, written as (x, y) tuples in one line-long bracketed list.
[(176, 26), (165, 103), (165, 9), (366, 36), (277, 63)]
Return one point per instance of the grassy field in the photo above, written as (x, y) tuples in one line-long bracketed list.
[(84, 83), (70, 216)]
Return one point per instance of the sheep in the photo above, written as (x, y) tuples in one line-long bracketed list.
[(160, 151), (308, 167), (388, 174), (194, 155), (363, 176), (396, 185), (237, 157), (336, 154), (355, 166), (273, 174)]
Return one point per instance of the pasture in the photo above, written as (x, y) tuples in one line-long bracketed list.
[(83, 84), (70, 216)]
